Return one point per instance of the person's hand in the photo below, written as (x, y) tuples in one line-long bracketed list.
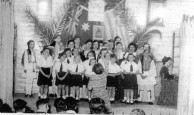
[(25, 71)]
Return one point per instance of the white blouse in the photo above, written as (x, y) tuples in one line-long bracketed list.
[(57, 66), (42, 62), (72, 67), (125, 65), (113, 68), (70, 60), (88, 68)]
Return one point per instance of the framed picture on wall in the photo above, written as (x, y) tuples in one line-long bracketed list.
[(156, 10), (98, 32)]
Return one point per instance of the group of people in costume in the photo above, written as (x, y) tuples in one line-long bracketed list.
[(101, 69)]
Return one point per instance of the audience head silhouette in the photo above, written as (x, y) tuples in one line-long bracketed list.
[(42, 106), (137, 112), (60, 105), (19, 105), (72, 105), (97, 106)]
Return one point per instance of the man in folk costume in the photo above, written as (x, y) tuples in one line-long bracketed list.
[(147, 79), (29, 64)]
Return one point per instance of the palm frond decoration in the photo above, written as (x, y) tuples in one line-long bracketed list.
[(48, 30), (42, 29), (143, 34)]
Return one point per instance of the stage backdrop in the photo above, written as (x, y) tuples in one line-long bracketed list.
[(78, 24)]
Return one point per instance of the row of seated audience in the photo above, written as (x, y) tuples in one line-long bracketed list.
[(62, 106)]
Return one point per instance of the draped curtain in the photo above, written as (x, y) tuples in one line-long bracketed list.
[(6, 50), (186, 75)]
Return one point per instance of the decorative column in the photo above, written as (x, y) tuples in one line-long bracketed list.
[(6, 50), (186, 75)]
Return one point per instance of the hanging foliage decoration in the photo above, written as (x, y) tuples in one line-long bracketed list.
[(48, 30)]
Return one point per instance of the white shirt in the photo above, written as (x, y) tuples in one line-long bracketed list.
[(72, 67), (57, 66), (125, 65), (113, 68), (88, 67), (42, 62), (70, 60)]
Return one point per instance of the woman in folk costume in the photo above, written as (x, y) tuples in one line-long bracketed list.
[(87, 65), (114, 71), (76, 70), (130, 71), (98, 85), (118, 51), (89, 73), (29, 63), (168, 92), (45, 64), (61, 70), (147, 80), (95, 48)]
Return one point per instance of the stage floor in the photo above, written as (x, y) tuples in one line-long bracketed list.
[(118, 108)]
